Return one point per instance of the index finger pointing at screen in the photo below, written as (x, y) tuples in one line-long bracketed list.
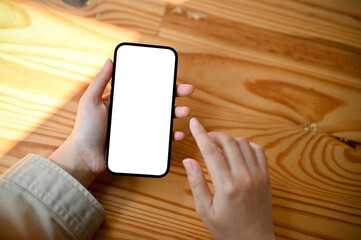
[(213, 158)]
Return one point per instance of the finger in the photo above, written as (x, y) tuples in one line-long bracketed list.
[(181, 112), (201, 193), (231, 151), (215, 161), (177, 136), (97, 86), (184, 90), (248, 154), (261, 157)]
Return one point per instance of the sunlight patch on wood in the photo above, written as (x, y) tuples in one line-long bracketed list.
[(44, 62)]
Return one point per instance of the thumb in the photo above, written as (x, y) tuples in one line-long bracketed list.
[(97, 86), (201, 193)]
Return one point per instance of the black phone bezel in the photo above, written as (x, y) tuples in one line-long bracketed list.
[(111, 109)]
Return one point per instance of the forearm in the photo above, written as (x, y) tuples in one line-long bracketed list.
[(39, 200)]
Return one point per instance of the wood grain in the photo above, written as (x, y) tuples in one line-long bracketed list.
[(141, 15), (284, 74)]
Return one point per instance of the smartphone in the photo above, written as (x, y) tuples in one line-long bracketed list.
[(141, 110)]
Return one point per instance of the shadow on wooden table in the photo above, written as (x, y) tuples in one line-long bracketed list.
[(130, 202)]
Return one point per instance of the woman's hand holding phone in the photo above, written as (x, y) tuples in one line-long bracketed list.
[(240, 207), (82, 154)]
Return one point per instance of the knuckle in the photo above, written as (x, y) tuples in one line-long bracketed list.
[(248, 183), (196, 182), (232, 187), (213, 133), (243, 140), (259, 148), (228, 140), (210, 150)]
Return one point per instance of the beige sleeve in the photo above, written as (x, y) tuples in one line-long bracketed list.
[(39, 200)]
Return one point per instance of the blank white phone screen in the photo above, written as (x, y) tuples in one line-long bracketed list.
[(142, 103)]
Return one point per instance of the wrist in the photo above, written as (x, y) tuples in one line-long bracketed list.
[(67, 156)]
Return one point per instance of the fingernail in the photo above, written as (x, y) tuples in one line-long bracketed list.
[(188, 165), (195, 122), (178, 135)]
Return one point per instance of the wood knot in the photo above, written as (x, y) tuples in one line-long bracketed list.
[(77, 3)]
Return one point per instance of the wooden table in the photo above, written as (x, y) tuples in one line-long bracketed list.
[(285, 74)]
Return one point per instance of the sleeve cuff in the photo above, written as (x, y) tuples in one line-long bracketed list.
[(60, 192)]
